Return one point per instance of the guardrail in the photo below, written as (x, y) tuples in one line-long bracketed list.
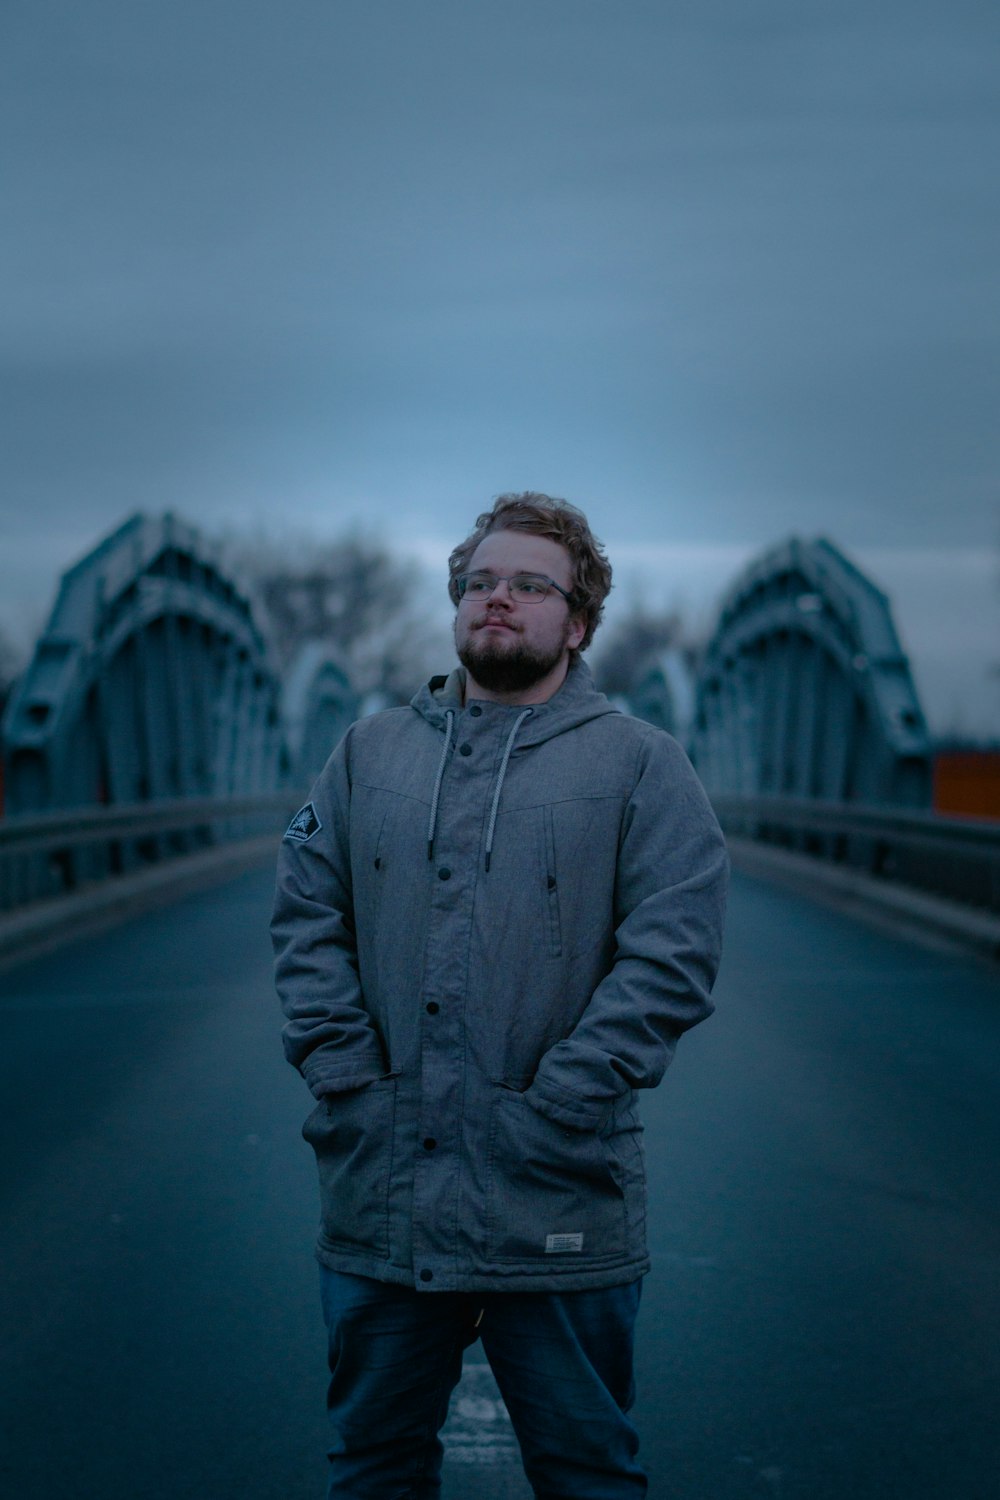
[(55, 853), (954, 857)]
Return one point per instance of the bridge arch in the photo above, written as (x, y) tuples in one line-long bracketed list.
[(663, 692), (151, 680), (804, 689), (318, 705)]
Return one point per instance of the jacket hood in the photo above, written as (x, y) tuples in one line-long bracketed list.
[(576, 702)]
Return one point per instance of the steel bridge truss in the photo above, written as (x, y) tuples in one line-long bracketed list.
[(318, 705), (150, 682), (805, 691)]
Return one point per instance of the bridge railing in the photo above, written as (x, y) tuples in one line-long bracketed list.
[(954, 857), (55, 853)]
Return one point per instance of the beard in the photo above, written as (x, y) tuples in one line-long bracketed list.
[(503, 668)]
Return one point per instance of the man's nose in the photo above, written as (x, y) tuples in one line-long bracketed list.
[(501, 593)]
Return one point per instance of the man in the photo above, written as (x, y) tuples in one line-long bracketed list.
[(495, 916)]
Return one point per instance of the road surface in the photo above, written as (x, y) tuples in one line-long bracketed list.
[(822, 1320)]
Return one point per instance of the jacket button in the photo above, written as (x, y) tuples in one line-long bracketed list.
[(444, 873), (465, 749), (427, 1275), (432, 1007), (430, 1143), (475, 711)]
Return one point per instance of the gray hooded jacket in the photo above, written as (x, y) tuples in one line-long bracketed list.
[(492, 924)]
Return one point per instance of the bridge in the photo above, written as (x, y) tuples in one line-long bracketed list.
[(823, 1314)]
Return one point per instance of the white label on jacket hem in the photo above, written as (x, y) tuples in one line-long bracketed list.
[(561, 1244)]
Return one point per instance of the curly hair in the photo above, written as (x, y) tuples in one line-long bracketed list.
[(545, 515)]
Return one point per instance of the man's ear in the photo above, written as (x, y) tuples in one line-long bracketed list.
[(577, 631)]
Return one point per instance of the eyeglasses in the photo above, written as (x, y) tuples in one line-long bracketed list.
[(524, 588)]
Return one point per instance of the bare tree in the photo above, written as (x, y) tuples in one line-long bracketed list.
[(632, 644), (10, 666), (352, 592)]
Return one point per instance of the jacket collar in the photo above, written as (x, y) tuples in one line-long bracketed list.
[(575, 702)]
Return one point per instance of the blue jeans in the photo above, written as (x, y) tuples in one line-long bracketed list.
[(562, 1361)]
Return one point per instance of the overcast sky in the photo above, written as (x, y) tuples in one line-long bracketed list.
[(718, 270)]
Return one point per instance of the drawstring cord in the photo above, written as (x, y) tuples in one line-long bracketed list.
[(500, 776), (436, 797), (449, 726)]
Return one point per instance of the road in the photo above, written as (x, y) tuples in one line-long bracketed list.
[(822, 1320)]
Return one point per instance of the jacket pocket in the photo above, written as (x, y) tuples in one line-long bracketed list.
[(553, 1195), (352, 1135), (551, 875), (369, 861)]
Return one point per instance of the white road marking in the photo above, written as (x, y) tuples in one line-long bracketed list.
[(478, 1429)]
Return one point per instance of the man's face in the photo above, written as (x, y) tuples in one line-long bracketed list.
[(510, 647)]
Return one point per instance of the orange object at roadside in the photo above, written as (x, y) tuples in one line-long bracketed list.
[(967, 783)]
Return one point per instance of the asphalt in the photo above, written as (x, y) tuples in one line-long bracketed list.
[(822, 1319)]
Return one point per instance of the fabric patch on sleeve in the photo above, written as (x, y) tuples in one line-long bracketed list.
[(304, 825)]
